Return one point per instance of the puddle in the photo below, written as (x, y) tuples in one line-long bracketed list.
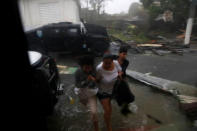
[(154, 110), (154, 105), (66, 69)]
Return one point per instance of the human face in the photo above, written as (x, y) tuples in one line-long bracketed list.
[(87, 68), (107, 63), (123, 55)]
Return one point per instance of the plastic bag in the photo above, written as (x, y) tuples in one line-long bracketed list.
[(85, 93)]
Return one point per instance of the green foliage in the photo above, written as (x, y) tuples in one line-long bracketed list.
[(131, 33), (141, 38), (154, 11), (119, 34), (179, 8), (132, 29)]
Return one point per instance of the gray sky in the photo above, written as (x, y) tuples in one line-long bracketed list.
[(117, 6)]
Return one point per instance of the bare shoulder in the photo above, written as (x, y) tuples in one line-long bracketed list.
[(99, 66), (117, 65), (116, 62)]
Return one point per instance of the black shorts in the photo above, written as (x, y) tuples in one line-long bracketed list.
[(104, 95)]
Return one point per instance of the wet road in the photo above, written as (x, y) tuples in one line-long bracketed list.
[(153, 106), (172, 66)]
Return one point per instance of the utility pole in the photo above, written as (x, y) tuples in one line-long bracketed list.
[(190, 22), (87, 9)]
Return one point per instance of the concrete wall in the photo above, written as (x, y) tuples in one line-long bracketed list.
[(35, 13)]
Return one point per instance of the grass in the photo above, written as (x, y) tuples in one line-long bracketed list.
[(120, 35), (129, 35)]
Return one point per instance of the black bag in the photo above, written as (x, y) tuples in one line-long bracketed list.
[(121, 93)]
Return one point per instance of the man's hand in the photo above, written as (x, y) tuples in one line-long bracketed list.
[(120, 75)]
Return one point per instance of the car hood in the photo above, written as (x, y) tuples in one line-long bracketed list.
[(34, 57)]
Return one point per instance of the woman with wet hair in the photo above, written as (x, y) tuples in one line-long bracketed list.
[(108, 72), (86, 89)]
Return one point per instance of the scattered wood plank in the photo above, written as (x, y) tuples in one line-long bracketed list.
[(153, 41), (139, 50), (149, 45), (179, 52), (156, 52), (182, 36), (182, 30), (176, 51)]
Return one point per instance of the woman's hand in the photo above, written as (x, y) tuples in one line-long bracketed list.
[(91, 78)]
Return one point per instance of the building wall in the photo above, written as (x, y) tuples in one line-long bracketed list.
[(35, 13)]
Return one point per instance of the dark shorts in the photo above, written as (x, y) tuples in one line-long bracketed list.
[(104, 95)]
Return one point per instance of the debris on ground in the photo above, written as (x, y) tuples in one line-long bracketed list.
[(149, 73), (189, 105), (156, 52), (160, 46), (190, 110), (182, 36), (155, 119), (150, 45), (187, 99), (142, 128)]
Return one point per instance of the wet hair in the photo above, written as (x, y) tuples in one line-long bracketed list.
[(86, 60), (108, 56), (123, 49)]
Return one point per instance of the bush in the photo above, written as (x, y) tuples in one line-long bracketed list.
[(132, 32), (141, 38)]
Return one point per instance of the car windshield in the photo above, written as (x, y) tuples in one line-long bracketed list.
[(153, 44)]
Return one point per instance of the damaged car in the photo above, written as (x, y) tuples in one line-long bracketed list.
[(68, 37)]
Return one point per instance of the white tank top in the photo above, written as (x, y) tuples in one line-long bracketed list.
[(108, 78)]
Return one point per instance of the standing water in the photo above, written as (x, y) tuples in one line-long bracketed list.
[(154, 110)]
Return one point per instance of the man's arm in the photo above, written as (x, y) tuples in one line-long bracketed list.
[(80, 82)]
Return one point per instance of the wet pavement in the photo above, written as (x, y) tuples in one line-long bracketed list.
[(174, 67), (155, 109), (171, 66)]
